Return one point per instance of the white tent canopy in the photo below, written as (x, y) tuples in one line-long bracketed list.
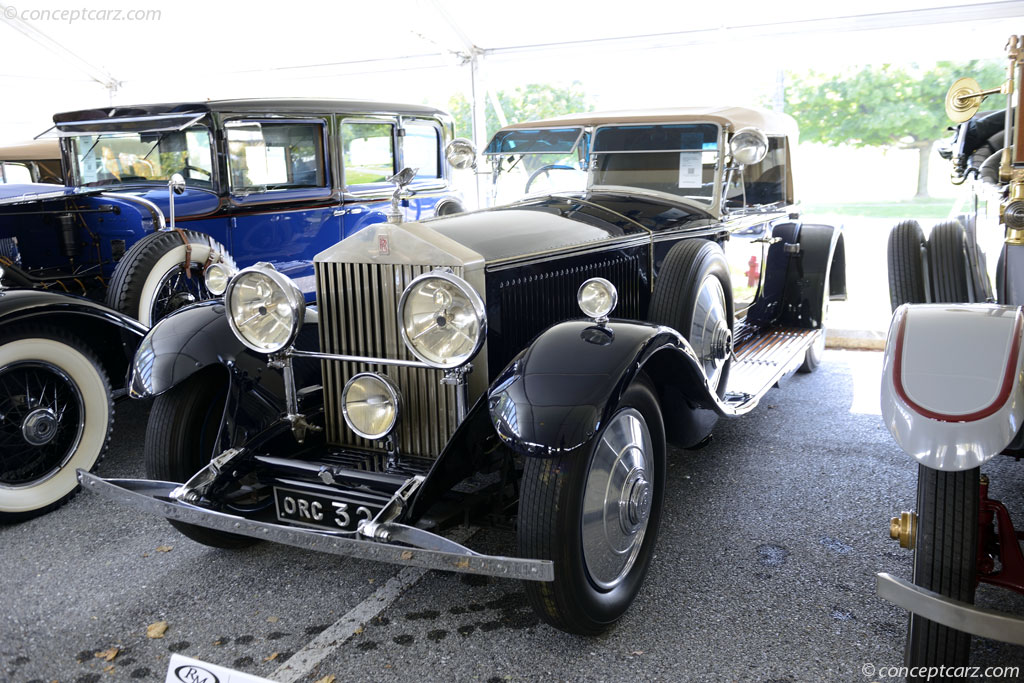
[(645, 53)]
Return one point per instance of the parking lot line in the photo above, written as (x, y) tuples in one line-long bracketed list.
[(305, 660)]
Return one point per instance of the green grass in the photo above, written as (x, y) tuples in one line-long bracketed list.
[(914, 208)]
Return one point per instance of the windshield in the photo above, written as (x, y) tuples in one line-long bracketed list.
[(678, 159), (537, 161), (115, 158)]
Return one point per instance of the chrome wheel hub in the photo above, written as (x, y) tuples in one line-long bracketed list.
[(709, 333), (617, 499), (39, 426), (635, 503)]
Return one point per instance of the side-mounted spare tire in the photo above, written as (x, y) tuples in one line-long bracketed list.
[(151, 280), (693, 295), (906, 264)]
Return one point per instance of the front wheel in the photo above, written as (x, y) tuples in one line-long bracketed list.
[(595, 514), (945, 561), (56, 415), (181, 438)]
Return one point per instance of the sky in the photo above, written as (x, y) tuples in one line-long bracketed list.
[(665, 53)]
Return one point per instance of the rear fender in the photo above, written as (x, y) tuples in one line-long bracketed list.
[(806, 265)]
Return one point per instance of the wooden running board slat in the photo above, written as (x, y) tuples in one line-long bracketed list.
[(762, 357)]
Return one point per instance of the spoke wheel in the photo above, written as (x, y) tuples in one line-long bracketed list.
[(150, 281), (595, 513), (56, 414), (175, 290)]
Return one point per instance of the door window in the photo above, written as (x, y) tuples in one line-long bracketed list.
[(265, 156), (368, 152), (421, 149)]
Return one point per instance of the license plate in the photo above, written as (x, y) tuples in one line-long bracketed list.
[(322, 512)]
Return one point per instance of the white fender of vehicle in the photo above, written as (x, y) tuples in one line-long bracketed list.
[(168, 262), (952, 393), (94, 428)]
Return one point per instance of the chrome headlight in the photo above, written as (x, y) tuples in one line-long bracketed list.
[(460, 153), (265, 308), (442, 319), (748, 146), (217, 276), (597, 298), (369, 404)]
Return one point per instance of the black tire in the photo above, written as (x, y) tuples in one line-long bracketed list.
[(906, 265), (674, 301), (945, 559), (181, 438), (814, 352), (56, 414), (551, 520), (947, 263), (149, 281)]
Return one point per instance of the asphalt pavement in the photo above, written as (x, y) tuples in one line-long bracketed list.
[(770, 541)]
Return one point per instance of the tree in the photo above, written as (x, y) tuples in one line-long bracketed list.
[(525, 103), (888, 105)]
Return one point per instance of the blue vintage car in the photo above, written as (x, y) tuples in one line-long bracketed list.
[(240, 182), (265, 180)]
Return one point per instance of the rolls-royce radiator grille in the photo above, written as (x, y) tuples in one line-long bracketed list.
[(358, 308)]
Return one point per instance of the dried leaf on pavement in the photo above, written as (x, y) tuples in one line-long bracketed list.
[(156, 629), (329, 678), (164, 548), (270, 658), (108, 654), (273, 620)]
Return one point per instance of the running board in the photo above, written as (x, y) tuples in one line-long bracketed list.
[(763, 358)]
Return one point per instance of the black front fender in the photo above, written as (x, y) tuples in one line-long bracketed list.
[(555, 395), (112, 336), (187, 341)]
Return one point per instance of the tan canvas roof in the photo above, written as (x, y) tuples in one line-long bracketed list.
[(34, 150), (732, 117)]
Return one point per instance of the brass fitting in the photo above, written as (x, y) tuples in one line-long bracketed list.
[(904, 529)]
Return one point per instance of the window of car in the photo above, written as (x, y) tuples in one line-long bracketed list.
[(678, 159), (421, 149), (11, 172), (117, 157), (766, 181), (275, 155), (367, 152)]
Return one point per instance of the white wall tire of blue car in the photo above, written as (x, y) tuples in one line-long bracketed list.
[(55, 417)]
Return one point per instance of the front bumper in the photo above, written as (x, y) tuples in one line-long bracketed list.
[(955, 614), (155, 497)]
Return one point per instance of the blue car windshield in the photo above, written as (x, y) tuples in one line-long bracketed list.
[(118, 158), (535, 141)]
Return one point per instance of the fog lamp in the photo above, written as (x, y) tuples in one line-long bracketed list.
[(369, 404)]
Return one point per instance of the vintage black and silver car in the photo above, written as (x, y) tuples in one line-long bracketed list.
[(529, 363)]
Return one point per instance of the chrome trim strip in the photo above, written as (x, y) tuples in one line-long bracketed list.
[(149, 496), (955, 614), (358, 359), (158, 215)]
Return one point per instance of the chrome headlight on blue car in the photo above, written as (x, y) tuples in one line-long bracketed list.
[(265, 308)]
